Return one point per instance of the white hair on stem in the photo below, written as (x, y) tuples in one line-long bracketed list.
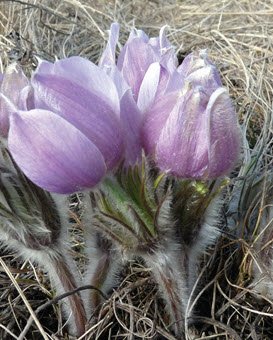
[(104, 262)]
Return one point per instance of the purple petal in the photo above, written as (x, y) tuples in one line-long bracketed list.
[(225, 137), (118, 80), (182, 147), (133, 35), (194, 61), (130, 117), (108, 57), (207, 77), (169, 60), (26, 99), (138, 34), (6, 108), (164, 41), (164, 80), (176, 82), (13, 82), (148, 87), (53, 153), (85, 74), (160, 43), (154, 120), (168, 55), (84, 109), (153, 86), (134, 61)]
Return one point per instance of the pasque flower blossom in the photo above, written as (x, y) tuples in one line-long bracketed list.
[(184, 115), (74, 122), (73, 135), (193, 132), (85, 118), (141, 72), (187, 120)]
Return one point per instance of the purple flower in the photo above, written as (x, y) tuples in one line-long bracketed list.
[(130, 116), (73, 136), (139, 53), (193, 132), (141, 73), (15, 93)]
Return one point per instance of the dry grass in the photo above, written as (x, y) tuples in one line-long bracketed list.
[(239, 36)]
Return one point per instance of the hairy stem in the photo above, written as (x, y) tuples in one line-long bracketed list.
[(166, 266), (64, 282), (103, 265), (98, 280), (104, 279)]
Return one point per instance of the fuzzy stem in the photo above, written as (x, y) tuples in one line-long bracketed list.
[(103, 265), (57, 263), (206, 234), (98, 280), (171, 279), (63, 272), (64, 282)]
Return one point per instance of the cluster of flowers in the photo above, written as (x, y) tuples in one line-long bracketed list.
[(75, 121), (76, 126)]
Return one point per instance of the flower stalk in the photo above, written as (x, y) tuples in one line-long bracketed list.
[(169, 272), (167, 223), (104, 262)]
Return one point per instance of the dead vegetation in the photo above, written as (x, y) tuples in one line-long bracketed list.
[(239, 37)]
